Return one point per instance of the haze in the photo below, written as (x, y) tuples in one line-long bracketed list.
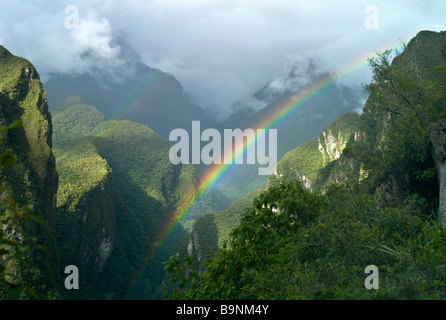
[(221, 51)]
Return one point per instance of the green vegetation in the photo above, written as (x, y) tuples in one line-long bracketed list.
[(228, 219), (79, 165), (294, 244), (31, 182), (379, 206), (306, 162), (14, 243), (301, 163), (117, 190), (369, 190), (213, 229)]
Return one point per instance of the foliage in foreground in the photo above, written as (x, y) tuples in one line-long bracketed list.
[(294, 244), (318, 247), (14, 242)]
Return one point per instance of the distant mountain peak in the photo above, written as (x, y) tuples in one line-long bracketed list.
[(292, 80), (130, 90)]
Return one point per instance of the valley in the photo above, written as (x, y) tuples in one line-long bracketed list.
[(133, 183)]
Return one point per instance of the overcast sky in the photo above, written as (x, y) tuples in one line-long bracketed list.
[(220, 50)]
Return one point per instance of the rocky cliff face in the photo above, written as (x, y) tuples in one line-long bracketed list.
[(33, 179), (417, 61), (86, 207), (305, 162), (331, 145), (193, 245), (117, 190), (305, 123)]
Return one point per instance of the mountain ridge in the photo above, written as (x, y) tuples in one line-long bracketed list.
[(32, 179), (147, 95), (116, 207)]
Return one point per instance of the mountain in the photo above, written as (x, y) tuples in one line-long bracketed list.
[(305, 162), (365, 132), (368, 220), (32, 179), (142, 94), (212, 230), (306, 118), (329, 100), (149, 96), (117, 191)]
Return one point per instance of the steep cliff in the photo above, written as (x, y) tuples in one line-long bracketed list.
[(438, 143), (306, 161), (33, 178), (117, 191), (401, 118)]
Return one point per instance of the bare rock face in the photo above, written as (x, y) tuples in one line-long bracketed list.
[(334, 144), (194, 245), (438, 150)]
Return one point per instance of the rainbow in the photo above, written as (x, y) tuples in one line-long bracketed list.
[(143, 90), (217, 172)]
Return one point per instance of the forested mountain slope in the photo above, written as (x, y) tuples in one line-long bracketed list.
[(117, 190), (305, 119), (31, 180), (142, 94), (305, 162), (381, 204), (211, 231)]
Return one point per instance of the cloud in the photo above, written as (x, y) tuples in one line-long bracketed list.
[(40, 34), (95, 48), (222, 51)]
